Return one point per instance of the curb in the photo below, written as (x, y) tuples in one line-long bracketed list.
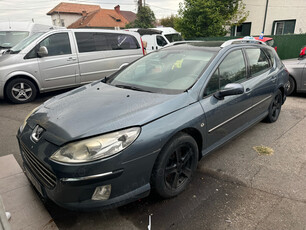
[(4, 224)]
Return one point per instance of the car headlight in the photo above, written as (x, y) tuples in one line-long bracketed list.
[(97, 147), (26, 118)]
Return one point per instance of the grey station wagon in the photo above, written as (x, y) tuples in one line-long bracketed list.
[(146, 126)]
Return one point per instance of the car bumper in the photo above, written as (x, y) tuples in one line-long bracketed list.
[(73, 186)]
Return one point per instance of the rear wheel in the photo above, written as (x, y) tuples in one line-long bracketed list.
[(175, 166), (291, 87), (275, 107), (20, 90)]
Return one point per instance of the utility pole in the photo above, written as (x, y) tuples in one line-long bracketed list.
[(144, 2), (139, 3), (264, 23)]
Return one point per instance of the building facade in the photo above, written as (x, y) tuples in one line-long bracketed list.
[(72, 15), (282, 17)]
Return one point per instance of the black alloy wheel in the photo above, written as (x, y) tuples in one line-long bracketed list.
[(175, 166), (275, 107)]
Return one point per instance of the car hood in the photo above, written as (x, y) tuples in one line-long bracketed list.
[(99, 108)]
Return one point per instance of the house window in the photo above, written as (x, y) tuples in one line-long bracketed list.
[(243, 30), (62, 22), (283, 27), (54, 22)]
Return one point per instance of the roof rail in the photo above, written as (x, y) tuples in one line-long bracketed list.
[(237, 41)]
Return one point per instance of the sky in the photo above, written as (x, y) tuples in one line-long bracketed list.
[(26, 10)]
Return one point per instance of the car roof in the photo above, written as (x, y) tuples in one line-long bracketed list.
[(214, 46)]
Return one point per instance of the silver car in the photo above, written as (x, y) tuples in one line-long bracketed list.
[(64, 58), (297, 75)]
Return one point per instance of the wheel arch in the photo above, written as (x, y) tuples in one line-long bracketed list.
[(23, 76), (197, 136)]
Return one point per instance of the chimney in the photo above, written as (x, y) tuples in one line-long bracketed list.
[(84, 13), (117, 8)]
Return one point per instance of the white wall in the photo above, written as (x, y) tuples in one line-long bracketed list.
[(277, 10), (68, 19)]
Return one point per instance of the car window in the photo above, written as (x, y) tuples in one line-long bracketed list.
[(90, 42), (258, 61), (270, 55), (57, 44), (161, 41), (231, 70)]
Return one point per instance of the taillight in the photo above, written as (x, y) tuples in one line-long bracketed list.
[(143, 51), (302, 53)]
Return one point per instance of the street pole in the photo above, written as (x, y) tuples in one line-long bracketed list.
[(264, 23)]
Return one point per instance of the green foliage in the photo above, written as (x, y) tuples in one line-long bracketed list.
[(204, 18), (145, 18), (168, 21)]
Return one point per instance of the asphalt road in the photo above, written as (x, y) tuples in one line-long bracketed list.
[(233, 188)]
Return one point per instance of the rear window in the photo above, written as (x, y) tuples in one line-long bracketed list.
[(92, 41)]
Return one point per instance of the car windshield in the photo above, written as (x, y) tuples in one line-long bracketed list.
[(9, 39), (174, 37), (168, 71), (24, 43)]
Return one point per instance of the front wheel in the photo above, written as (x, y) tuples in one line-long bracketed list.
[(275, 107), (175, 166), (20, 90)]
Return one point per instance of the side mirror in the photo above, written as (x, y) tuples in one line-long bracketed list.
[(229, 90), (43, 51)]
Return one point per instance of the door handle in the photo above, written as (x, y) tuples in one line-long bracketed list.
[(248, 91), (71, 59)]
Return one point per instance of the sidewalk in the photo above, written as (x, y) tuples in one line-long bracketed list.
[(19, 198)]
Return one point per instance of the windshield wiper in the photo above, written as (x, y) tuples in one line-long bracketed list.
[(132, 88)]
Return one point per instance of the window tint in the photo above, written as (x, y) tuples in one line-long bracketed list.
[(89, 42), (161, 41), (270, 55), (57, 44), (258, 61), (231, 70)]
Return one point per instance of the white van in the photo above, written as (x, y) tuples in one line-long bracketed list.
[(12, 33), (64, 58), (157, 41)]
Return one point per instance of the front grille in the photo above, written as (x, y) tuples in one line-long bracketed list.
[(44, 175)]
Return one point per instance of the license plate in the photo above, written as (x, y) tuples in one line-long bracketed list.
[(33, 180)]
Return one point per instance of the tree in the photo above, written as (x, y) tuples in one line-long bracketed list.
[(204, 18), (168, 21), (145, 18)]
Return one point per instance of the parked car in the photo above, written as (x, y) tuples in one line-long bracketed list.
[(146, 126), (64, 58), (11, 33), (297, 74), (158, 38)]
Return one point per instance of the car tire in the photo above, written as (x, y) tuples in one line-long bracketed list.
[(20, 90), (291, 87), (175, 166), (275, 107)]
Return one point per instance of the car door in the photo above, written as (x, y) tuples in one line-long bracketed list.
[(225, 118), (101, 54), (60, 67), (263, 78), (302, 86)]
